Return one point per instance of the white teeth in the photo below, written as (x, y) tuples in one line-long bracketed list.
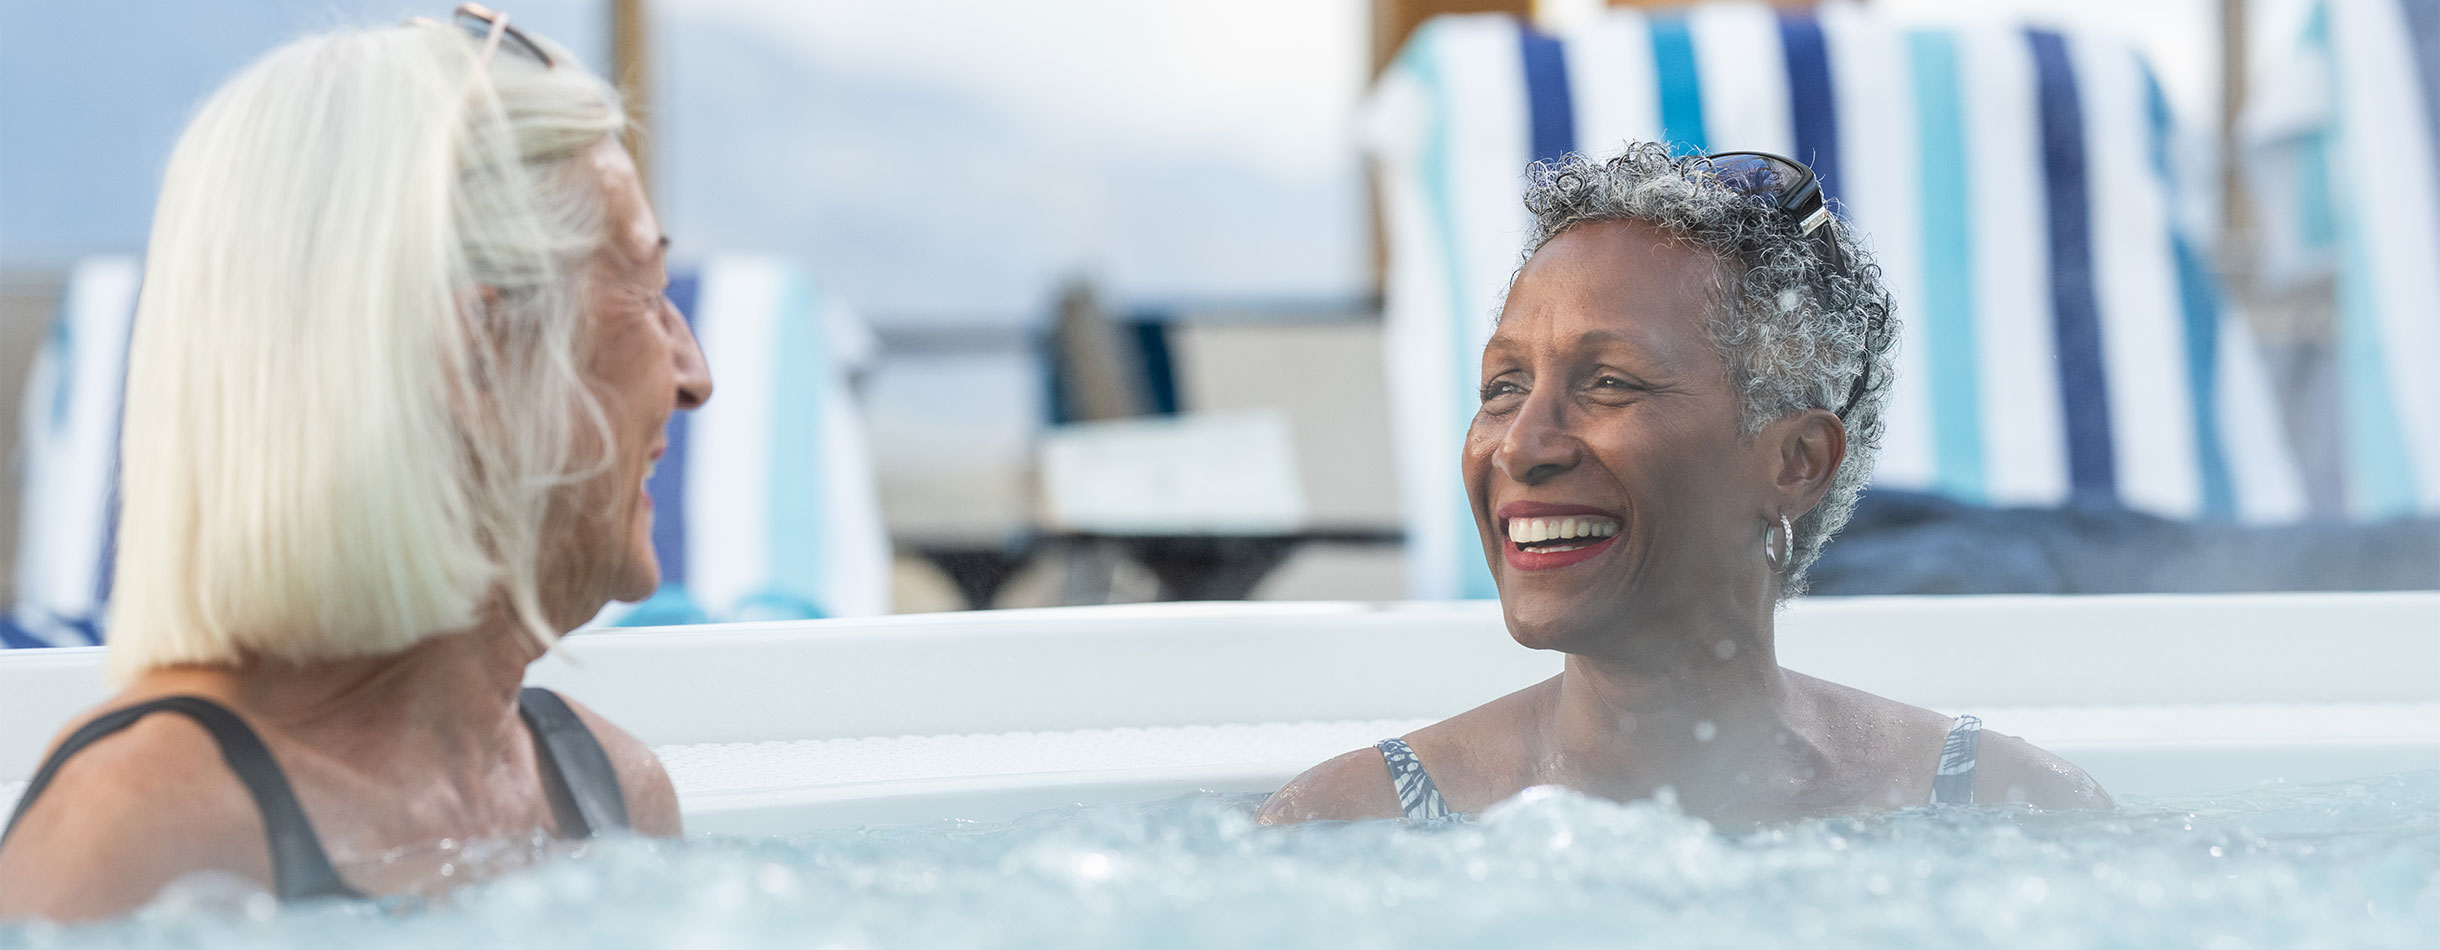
[(1537, 530)]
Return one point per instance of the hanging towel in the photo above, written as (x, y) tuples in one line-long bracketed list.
[(765, 506), (68, 447), (2343, 149)]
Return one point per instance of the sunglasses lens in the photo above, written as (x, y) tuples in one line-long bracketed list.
[(1757, 175), (510, 39)]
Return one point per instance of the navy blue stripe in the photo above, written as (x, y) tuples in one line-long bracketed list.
[(1552, 108), (13, 637), (1813, 111), (2423, 39), (1160, 370), (2092, 468), (668, 484)]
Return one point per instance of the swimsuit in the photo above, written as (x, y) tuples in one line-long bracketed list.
[(1952, 782), (576, 777)]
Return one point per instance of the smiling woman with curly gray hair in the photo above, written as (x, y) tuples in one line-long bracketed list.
[(1680, 405)]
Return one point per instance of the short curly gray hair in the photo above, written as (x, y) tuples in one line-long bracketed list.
[(1796, 329)]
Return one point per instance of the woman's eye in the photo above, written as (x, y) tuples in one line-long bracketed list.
[(1499, 387)]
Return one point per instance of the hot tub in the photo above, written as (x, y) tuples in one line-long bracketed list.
[(793, 727), (1088, 777)]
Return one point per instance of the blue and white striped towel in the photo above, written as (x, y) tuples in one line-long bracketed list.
[(2063, 341), (2344, 147), (765, 504), (69, 446)]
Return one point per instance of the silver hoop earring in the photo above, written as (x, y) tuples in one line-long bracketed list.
[(1776, 554)]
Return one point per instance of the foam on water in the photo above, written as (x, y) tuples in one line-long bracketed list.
[(2352, 864)]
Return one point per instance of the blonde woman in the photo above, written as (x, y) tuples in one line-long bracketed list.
[(400, 369)]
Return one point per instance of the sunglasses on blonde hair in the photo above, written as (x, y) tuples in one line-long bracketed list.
[(490, 27)]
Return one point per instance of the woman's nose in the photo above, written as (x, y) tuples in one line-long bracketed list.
[(694, 375), (1537, 445)]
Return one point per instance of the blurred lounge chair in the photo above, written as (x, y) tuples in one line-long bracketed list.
[(2064, 343), (765, 504)]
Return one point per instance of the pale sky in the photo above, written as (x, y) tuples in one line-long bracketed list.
[(925, 158)]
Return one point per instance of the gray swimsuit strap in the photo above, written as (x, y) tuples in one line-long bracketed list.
[(1953, 782), (1417, 796)]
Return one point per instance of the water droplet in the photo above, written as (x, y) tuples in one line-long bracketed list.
[(1704, 730)]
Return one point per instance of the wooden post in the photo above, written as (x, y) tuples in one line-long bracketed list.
[(630, 68)]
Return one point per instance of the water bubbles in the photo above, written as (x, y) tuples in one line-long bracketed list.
[(1705, 730), (774, 879), (1549, 867)]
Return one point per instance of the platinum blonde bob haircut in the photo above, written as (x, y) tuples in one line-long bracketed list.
[(353, 387), (1796, 328)]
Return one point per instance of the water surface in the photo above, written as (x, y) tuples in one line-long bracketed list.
[(2349, 864)]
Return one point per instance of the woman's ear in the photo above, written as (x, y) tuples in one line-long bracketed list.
[(1809, 447)]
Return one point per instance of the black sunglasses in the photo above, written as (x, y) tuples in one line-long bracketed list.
[(490, 28), (1793, 188)]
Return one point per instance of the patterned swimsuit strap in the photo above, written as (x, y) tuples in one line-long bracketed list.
[(1953, 781), (1417, 796)]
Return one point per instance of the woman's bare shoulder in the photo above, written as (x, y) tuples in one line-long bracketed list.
[(1463, 753), (652, 802), (125, 816), (1350, 787), (2009, 769), (1904, 742)]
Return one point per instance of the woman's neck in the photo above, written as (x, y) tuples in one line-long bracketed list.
[(1698, 707), (449, 700)]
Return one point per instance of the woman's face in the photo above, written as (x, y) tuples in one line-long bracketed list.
[(643, 364), (1610, 482)]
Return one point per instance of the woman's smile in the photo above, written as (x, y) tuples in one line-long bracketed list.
[(1544, 536)]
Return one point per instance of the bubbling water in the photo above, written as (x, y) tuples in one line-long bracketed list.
[(2350, 864)]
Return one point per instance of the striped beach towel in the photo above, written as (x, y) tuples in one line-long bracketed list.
[(765, 505), (68, 447), (2343, 149), (2064, 342)]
